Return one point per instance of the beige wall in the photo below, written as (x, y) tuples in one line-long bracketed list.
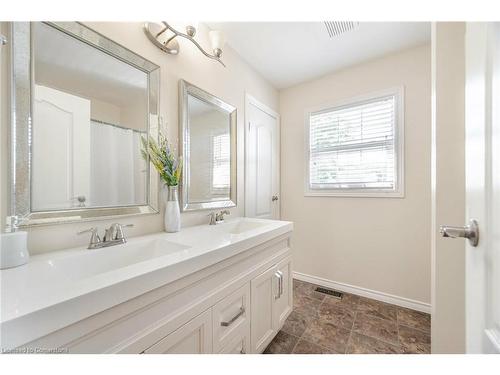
[(448, 186), (230, 84), (382, 244), (131, 116), (106, 112)]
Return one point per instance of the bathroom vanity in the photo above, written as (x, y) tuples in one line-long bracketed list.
[(225, 288)]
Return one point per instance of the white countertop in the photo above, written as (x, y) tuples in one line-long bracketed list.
[(60, 288)]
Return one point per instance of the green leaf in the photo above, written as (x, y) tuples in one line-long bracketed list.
[(160, 154)]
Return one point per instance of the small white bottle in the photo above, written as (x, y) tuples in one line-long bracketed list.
[(13, 248)]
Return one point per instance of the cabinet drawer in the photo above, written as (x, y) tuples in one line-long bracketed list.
[(231, 317), (239, 343), (194, 337)]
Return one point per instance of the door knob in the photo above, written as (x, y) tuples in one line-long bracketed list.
[(471, 232), (274, 198)]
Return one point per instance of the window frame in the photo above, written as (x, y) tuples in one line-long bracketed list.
[(399, 190)]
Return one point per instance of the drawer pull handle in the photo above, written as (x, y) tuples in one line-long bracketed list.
[(278, 277), (281, 282), (231, 321)]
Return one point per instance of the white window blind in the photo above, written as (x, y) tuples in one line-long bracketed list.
[(354, 147), (220, 162)]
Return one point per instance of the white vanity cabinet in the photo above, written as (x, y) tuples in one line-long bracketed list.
[(236, 304), (244, 322)]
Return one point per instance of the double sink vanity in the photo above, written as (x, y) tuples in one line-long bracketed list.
[(206, 289)]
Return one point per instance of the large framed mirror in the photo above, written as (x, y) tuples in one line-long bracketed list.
[(81, 105), (207, 143)]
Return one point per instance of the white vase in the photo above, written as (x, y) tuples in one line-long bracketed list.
[(172, 218)]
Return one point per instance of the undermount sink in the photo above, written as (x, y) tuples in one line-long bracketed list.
[(81, 264), (242, 226), (134, 252)]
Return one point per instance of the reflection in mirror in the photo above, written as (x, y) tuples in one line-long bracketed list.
[(90, 110), (209, 172), (208, 126)]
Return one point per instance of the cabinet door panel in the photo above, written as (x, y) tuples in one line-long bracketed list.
[(263, 293), (283, 305), (194, 337)]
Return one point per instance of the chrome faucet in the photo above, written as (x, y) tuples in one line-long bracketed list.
[(112, 236), (218, 217)]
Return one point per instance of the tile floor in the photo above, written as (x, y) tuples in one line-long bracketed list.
[(354, 325)]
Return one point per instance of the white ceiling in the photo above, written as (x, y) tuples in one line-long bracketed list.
[(288, 53)]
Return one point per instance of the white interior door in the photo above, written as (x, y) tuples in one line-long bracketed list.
[(61, 149), (483, 186), (261, 161)]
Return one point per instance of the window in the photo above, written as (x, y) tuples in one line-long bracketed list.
[(220, 163), (355, 149)]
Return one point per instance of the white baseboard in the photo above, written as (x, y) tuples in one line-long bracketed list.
[(364, 292)]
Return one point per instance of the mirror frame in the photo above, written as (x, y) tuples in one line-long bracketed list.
[(186, 89), (22, 84)]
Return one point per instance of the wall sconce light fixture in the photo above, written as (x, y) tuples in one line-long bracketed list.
[(164, 37)]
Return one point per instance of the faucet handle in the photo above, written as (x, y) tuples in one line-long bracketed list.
[(94, 238), (117, 228), (213, 218), (90, 230), (220, 216)]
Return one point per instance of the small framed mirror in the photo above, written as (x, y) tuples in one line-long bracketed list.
[(207, 143), (81, 105)]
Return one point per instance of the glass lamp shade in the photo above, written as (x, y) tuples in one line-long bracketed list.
[(217, 39)]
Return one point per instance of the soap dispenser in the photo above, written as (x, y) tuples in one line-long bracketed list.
[(13, 247)]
